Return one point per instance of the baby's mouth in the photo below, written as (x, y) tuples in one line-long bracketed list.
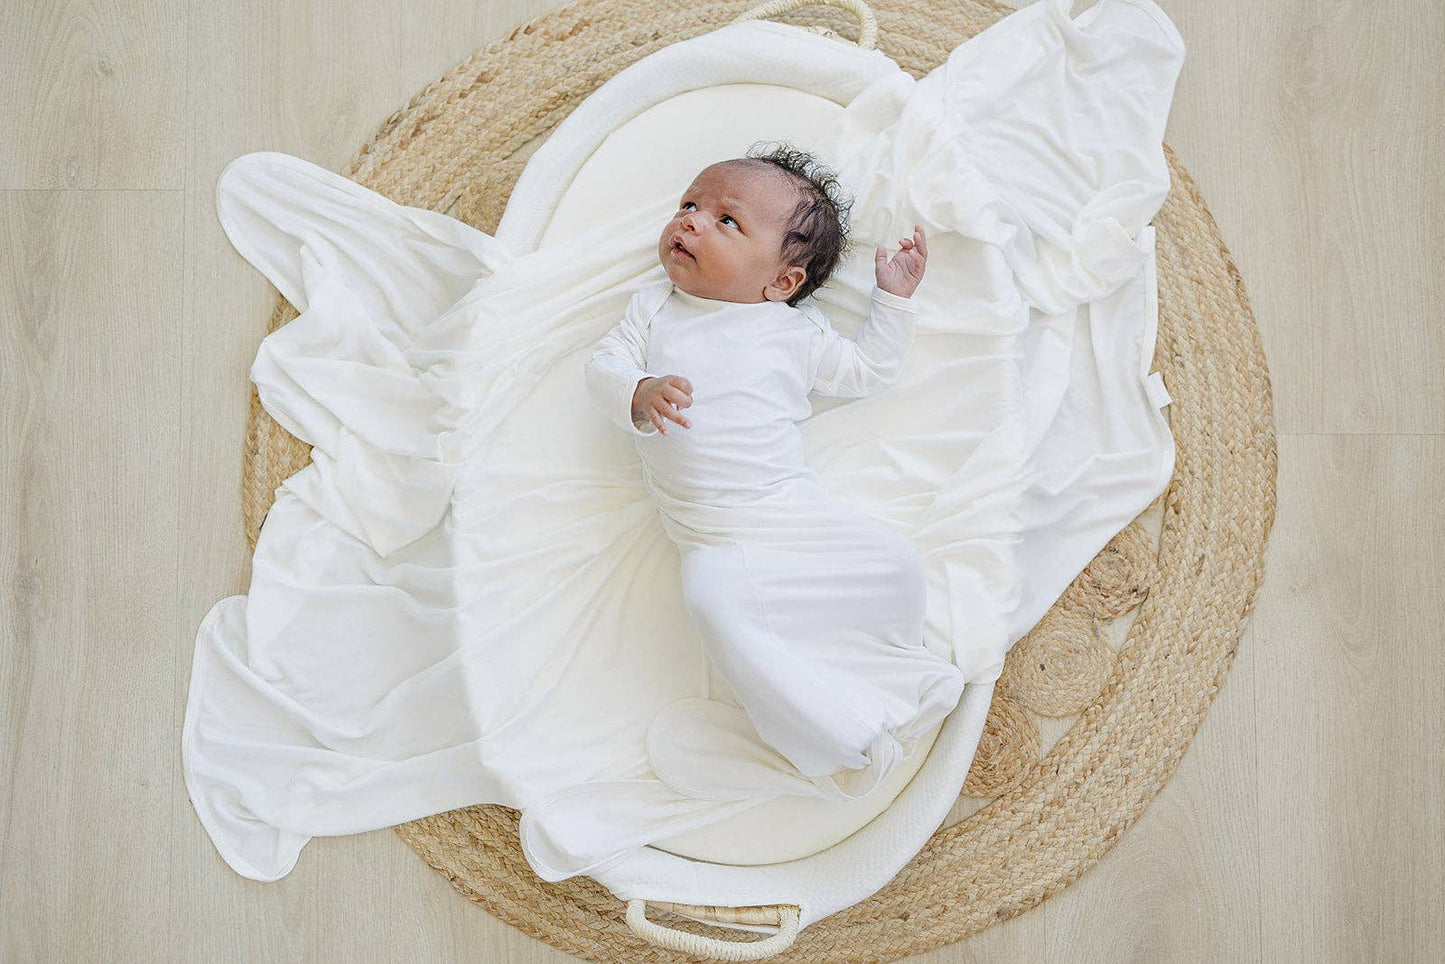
[(677, 248)]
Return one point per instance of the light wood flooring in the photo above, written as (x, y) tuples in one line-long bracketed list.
[(1305, 822)]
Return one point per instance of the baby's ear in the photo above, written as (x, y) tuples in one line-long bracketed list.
[(790, 280)]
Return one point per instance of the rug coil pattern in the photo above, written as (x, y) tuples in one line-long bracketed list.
[(458, 147)]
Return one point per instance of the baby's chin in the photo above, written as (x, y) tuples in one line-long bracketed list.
[(677, 270)]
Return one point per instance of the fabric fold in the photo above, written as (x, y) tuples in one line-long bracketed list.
[(338, 377), (1060, 213)]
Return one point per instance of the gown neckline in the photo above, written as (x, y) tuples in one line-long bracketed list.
[(711, 304)]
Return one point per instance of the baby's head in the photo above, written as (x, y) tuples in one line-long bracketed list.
[(770, 226)]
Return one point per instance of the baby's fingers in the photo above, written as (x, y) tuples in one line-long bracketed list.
[(668, 410), (679, 400), (677, 396)]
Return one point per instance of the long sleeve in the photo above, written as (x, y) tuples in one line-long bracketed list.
[(615, 368), (862, 366)]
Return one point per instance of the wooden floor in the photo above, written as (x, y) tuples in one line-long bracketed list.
[(1305, 822)]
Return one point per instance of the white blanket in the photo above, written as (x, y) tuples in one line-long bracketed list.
[(468, 597)]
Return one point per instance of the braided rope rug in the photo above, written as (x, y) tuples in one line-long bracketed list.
[(458, 147)]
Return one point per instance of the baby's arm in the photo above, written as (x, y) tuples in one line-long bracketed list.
[(849, 367), (616, 367)]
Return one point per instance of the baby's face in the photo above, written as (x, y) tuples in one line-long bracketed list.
[(725, 238)]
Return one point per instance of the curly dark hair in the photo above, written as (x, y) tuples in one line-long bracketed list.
[(816, 238)]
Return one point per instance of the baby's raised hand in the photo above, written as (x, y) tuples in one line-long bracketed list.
[(656, 399), (901, 275)]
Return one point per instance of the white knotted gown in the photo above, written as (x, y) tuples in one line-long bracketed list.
[(810, 609)]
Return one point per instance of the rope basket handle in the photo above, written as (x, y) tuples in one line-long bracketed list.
[(867, 33), (784, 916)]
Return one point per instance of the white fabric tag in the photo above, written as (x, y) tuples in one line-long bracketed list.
[(1154, 387)]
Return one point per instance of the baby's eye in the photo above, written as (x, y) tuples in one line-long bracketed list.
[(725, 217)]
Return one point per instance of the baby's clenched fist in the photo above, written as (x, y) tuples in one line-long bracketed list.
[(657, 399)]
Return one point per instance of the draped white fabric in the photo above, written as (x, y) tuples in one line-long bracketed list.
[(468, 596)]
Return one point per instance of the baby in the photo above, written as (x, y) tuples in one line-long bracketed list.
[(792, 241), (811, 610)]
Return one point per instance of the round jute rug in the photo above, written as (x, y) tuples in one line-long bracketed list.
[(458, 147)]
